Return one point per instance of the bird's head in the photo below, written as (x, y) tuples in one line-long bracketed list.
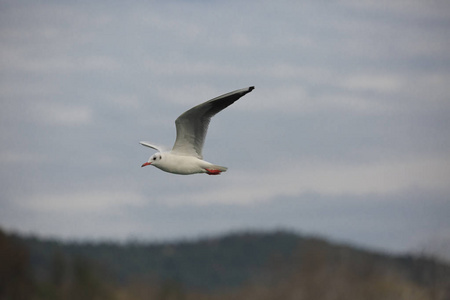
[(155, 159)]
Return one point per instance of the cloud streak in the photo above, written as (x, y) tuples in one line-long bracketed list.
[(294, 179)]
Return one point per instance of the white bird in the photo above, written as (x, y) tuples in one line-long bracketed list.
[(186, 155)]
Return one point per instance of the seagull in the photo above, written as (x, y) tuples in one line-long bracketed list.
[(186, 158)]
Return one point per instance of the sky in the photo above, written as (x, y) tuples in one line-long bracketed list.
[(346, 135)]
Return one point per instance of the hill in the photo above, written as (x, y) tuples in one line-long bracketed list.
[(264, 265)]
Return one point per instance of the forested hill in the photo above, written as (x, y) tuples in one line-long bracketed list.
[(244, 263)]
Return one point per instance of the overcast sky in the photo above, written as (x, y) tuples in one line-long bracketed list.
[(346, 135)]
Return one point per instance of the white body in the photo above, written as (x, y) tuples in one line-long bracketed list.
[(182, 164), (186, 155)]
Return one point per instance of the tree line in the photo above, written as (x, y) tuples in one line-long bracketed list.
[(274, 265)]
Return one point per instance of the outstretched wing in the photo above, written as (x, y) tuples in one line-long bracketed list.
[(192, 125)]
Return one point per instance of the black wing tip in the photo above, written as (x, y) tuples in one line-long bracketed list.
[(251, 88)]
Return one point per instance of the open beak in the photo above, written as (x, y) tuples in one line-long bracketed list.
[(146, 164)]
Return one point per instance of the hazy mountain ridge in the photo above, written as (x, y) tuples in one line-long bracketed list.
[(248, 262), (223, 261)]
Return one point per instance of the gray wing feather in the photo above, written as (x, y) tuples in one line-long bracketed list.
[(147, 144), (192, 125)]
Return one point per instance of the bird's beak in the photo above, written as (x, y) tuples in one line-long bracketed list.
[(146, 164)]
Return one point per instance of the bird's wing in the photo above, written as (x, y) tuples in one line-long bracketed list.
[(147, 144), (192, 125)]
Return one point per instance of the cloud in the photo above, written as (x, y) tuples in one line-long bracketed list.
[(61, 114), (21, 157), (29, 63), (381, 83), (351, 101), (415, 8), (292, 179), (82, 202)]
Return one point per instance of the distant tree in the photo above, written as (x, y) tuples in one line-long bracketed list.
[(430, 267), (58, 269), (15, 278), (171, 290), (86, 282)]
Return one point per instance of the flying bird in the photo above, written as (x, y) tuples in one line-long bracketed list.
[(186, 155)]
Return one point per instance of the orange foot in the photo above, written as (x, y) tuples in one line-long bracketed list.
[(213, 172)]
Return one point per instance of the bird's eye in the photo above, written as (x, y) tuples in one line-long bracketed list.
[(154, 158)]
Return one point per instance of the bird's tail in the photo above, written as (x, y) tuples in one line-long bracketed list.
[(215, 169), (220, 168)]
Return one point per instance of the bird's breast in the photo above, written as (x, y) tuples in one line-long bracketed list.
[(179, 164)]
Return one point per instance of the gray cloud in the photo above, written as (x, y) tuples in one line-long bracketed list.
[(349, 117)]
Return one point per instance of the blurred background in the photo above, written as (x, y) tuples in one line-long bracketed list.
[(345, 137)]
